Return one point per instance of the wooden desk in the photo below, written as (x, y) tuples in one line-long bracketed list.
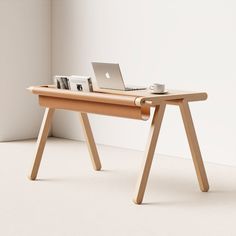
[(128, 104)]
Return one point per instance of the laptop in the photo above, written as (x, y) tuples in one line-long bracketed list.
[(108, 76)]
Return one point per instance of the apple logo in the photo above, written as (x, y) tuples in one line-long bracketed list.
[(107, 75)]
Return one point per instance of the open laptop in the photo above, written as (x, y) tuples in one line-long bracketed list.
[(108, 76)]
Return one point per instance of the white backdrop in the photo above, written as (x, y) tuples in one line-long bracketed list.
[(185, 44), (25, 60)]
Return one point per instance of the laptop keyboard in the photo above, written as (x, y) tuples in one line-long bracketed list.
[(134, 88)]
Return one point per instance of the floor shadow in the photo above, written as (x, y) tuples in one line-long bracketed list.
[(201, 199), (165, 190)]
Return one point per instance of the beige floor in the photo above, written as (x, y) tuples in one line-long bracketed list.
[(71, 199)]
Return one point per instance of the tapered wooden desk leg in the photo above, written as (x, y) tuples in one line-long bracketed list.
[(90, 141), (194, 146), (149, 153), (42, 138)]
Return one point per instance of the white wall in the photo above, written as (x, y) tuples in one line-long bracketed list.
[(25, 60), (185, 44)]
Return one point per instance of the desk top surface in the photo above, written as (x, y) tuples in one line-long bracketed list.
[(135, 98)]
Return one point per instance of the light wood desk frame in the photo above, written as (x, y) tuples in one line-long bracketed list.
[(139, 108)]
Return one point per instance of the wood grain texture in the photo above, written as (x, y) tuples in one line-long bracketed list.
[(194, 146), (129, 98), (41, 141), (83, 96), (146, 96), (90, 141), (149, 153), (132, 104)]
